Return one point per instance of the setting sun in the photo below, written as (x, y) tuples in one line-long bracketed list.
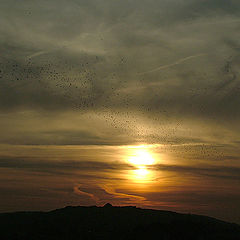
[(140, 173), (141, 157)]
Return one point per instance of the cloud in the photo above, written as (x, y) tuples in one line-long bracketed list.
[(220, 172), (116, 194), (61, 166), (84, 167), (70, 72), (173, 64), (82, 193)]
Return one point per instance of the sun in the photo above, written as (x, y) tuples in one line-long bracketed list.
[(141, 157), (141, 173)]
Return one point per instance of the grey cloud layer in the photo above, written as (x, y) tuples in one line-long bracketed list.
[(85, 167), (170, 60)]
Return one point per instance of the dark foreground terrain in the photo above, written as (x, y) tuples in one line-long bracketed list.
[(113, 223)]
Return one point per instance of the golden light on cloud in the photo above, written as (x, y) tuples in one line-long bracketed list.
[(141, 173)]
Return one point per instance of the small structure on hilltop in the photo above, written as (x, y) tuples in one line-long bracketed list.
[(108, 205)]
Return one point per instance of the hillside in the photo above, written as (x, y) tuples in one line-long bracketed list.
[(113, 223)]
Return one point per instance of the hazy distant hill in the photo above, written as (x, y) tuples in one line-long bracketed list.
[(113, 223)]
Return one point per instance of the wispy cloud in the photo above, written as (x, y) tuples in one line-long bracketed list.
[(174, 64), (109, 188), (221, 172)]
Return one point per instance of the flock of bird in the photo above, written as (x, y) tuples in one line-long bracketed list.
[(87, 84)]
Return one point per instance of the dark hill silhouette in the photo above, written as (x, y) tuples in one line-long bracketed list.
[(111, 222)]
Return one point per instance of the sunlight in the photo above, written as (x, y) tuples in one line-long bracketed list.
[(141, 173), (141, 157)]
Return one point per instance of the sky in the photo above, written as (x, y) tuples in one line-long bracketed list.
[(133, 102)]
